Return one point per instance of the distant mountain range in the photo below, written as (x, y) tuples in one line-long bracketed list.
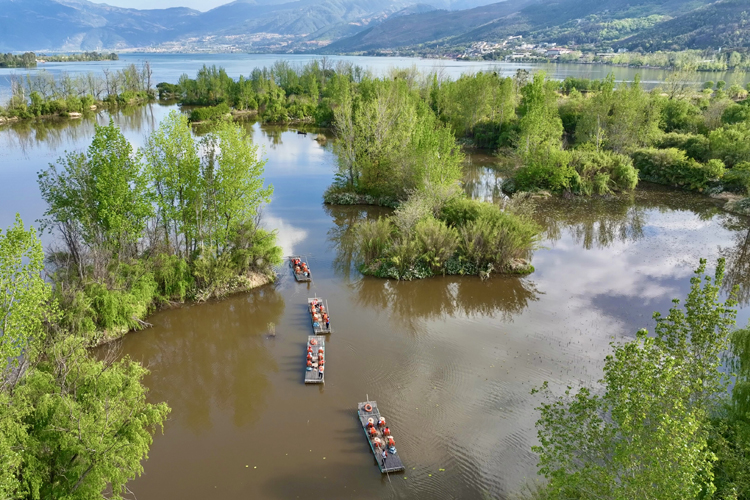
[(357, 26), (631, 24)]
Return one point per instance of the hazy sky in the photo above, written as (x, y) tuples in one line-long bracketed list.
[(203, 5)]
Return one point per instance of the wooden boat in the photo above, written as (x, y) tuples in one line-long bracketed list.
[(320, 329), (313, 375), (299, 276), (369, 410)]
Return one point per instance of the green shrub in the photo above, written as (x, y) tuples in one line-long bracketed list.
[(470, 237), (695, 146), (737, 178), (736, 113), (168, 91), (731, 143), (87, 101), (74, 104), (671, 166), (460, 211), (552, 172), (57, 106), (601, 172), (209, 113), (374, 239), (438, 242), (493, 242), (680, 115), (173, 277), (131, 97)]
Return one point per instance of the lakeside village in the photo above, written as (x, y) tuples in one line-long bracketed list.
[(515, 49)]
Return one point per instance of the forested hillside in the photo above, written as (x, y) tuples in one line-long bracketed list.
[(351, 26), (721, 24), (431, 26), (645, 24)]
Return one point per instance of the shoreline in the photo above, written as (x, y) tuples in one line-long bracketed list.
[(240, 284), (74, 115)]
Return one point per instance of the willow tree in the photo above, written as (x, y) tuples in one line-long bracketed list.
[(99, 200)]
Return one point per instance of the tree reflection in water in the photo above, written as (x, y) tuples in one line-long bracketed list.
[(341, 234), (198, 375), (593, 223), (54, 133), (737, 257), (436, 298), (431, 298)]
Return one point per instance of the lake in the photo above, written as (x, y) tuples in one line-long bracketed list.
[(451, 361)]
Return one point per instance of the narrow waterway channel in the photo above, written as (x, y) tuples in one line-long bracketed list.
[(450, 361)]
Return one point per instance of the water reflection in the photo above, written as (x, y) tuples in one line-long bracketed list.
[(341, 233), (450, 296), (593, 223), (211, 357), (737, 258)]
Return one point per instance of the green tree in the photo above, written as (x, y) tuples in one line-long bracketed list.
[(593, 124), (173, 163), (233, 183), (72, 426), (100, 197), (646, 435), (88, 423), (540, 126), (23, 297), (731, 143), (735, 58)]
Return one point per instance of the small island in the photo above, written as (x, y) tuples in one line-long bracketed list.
[(31, 60)]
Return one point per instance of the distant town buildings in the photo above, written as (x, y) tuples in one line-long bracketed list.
[(513, 48)]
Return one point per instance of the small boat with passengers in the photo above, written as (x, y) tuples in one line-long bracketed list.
[(319, 316), (300, 269), (379, 437), (315, 369)]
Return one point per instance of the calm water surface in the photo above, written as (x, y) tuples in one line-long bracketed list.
[(450, 360)]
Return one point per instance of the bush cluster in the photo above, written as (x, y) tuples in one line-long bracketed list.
[(210, 113), (673, 167), (427, 236)]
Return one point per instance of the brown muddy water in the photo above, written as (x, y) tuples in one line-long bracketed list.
[(451, 361)]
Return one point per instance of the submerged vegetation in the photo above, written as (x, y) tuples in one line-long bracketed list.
[(165, 223)]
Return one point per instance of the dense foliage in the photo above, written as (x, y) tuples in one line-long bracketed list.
[(177, 219), (281, 93), (72, 426), (442, 232), (25, 60), (596, 137), (665, 423)]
